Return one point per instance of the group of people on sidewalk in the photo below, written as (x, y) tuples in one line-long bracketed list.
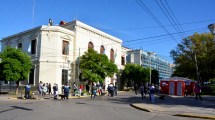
[(44, 89), (143, 91), (100, 89), (152, 90)]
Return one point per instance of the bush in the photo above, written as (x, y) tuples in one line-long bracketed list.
[(208, 90)]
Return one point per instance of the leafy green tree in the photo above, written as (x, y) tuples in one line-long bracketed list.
[(96, 67), (195, 54), (15, 65), (136, 73)]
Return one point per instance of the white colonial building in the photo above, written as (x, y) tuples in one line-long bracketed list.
[(55, 50)]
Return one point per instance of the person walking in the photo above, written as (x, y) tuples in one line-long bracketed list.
[(142, 91), (50, 89), (66, 91), (40, 90), (111, 89), (74, 87), (45, 89), (145, 90), (197, 91), (27, 91), (152, 92), (81, 88), (55, 89), (88, 88), (94, 90), (115, 89)]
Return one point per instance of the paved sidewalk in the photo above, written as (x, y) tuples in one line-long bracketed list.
[(180, 106)]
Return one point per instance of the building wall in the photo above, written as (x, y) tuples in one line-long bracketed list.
[(85, 34), (49, 61), (143, 58)]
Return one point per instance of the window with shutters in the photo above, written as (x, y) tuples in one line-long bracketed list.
[(33, 46), (90, 45), (19, 46), (102, 50), (65, 48), (64, 76), (112, 55), (123, 60)]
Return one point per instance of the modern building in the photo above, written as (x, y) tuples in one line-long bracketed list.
[(55, 50), (147, 59)]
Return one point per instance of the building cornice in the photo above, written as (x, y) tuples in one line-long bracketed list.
[(40, 28), (92, 29)]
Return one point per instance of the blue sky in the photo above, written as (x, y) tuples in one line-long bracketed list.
[(128, 20)]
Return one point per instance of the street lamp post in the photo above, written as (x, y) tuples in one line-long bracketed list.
[(150, 71)]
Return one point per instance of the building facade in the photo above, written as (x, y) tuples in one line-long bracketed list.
[(55, 50), (147, 59)]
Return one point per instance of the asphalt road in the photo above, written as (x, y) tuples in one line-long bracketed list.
[(117, 108)]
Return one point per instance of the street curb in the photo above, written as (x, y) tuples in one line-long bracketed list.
[(140, 108), (195, 116)]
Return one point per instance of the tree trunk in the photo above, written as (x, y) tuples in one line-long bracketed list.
[(17, 87)]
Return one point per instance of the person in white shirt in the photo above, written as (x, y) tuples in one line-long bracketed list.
[(152, 92)]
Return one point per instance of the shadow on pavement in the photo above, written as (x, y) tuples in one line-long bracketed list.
[(169, 100), (16, 107)]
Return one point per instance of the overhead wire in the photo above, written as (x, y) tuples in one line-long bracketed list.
[(150, 27), (158, 36), (146, 9), (170, 19), (177, 22)]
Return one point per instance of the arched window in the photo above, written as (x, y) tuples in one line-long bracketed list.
[(112, 55), (102, 50), (90, 45)]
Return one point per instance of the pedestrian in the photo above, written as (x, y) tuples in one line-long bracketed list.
[(45, 89), (50, 89), (66, 91), (111, 89), (55, 89), (142, 91), (152, 92), (75, 88), (27, 91), (197, 91), (99, 89), (115, 89), (47, 86), (94, 90), (145, 90), (88, 88), (135, 88), (40, 90), (81, 88)]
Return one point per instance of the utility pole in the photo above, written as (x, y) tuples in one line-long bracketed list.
[(150, 71), (197, 68), (79, 65)]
